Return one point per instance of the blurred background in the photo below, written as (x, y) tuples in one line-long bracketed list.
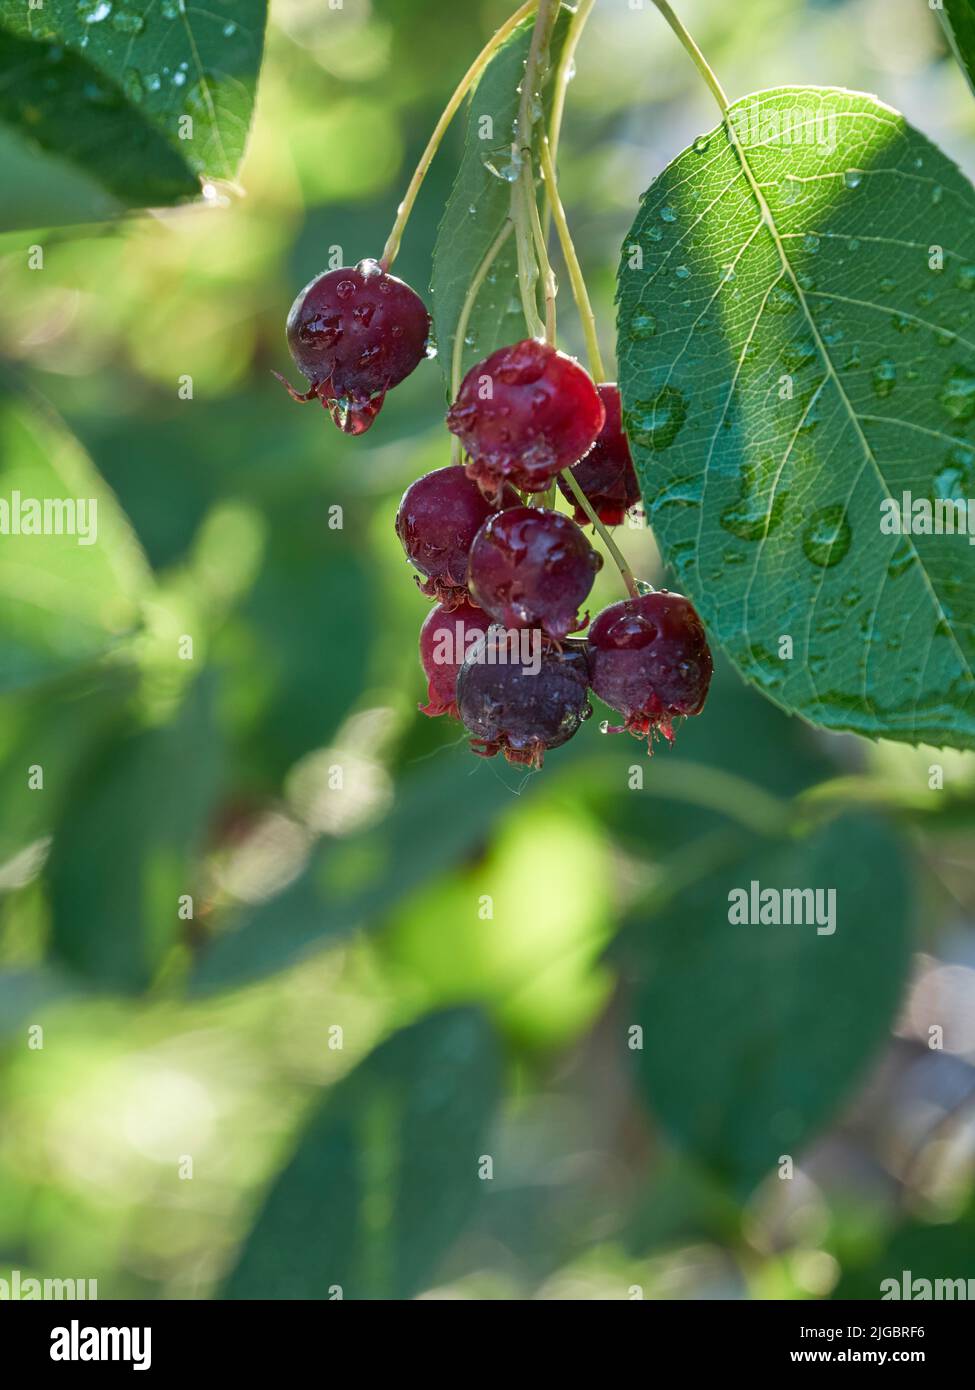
[(206, 1033)]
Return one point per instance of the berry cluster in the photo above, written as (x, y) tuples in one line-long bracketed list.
[(509, 573)]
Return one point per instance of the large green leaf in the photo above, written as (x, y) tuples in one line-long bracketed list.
[(782, 379), (753, 1033), (385, 1176), (958, 19), (105, 87), (127, 846), (478, 206), (66, 597)]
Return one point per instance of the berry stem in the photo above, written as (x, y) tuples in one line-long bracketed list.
[(629, 578), (524, 209), (576, 26), (695, 54), (579, 291), (460, 335), (480, 275), (450, 110)]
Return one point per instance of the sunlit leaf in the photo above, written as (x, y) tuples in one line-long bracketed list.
[(787, 381)]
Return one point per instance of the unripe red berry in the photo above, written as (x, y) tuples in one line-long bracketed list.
[(355, 333), (531, 567), (445, 639), (438, 518), (524, 413), (606, 474), (520, 710), (650, 660)]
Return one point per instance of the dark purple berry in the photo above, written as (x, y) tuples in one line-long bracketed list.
[(445, 639), (650, 660), (522, 708), (438, 518), (355, 333), (606, 474), (524, 413), (530, 567)]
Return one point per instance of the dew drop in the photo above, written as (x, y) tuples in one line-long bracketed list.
[(643, 326), (94, 11), (128, 22), (811, 242), (132, 85), (958, 394), (853, 178), (826, 538), (656, 423), (884, 378), (667, 214), (966, 278)]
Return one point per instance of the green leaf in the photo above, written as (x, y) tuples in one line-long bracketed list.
[(478, 205), (105, 87), (385, 1176), (752, 1034), (958, 20), (783, 382), (126, 848), (64, 598)]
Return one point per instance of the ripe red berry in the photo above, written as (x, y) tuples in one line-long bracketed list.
[(606, 474), (354, 333), (438, 518), (531, 567), (650, 660), (445, 639), (520, 708), (524, 413)]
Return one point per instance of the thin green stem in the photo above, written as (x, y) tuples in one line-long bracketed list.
[(523, 187), (450, 110), (576, 279), (560, 88), (549, 286), (629, 578), (481, 274), (696, 56), (464, 318)]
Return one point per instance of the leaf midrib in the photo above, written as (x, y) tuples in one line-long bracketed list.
[(769, 220)]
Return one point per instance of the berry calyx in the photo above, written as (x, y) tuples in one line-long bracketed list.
[(531, 567), (525, 413), (522, 709), (354, 333), (438, 518), (649, 659), (446, 637), (606, 474)]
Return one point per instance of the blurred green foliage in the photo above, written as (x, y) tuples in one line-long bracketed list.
[(207, 1034)]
